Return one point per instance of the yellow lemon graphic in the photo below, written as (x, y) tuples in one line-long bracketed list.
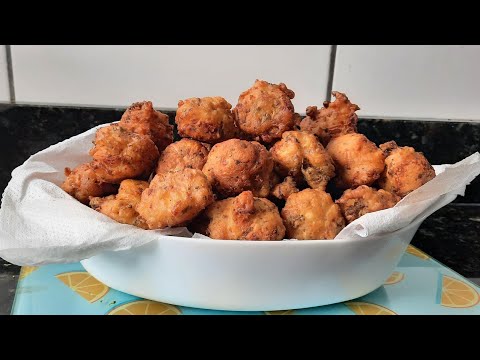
[(279, 312), (457, 294), (364, 308), (145, 307), (396, 277), (416, 252), (84, 285), (26, 270)]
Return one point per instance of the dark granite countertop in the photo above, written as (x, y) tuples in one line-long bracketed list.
[(8, 283), (451, 235)]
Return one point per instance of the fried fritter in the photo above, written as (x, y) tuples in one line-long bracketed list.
[(174, 198), (363, 200), (284, 189), (299, 154), (244, 217), (237, 165), (82, 182), (311, 214), (141, 118), (265, 111), (207, 119), (334, 119), (122, 207), (183, 154), (405, 169), (297, 119), (358, 161), (120, 154)]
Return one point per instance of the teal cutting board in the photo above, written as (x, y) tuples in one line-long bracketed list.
[(419, 285)]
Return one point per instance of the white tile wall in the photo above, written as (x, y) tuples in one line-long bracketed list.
[(411, 81), (4, 89), (120, 75)]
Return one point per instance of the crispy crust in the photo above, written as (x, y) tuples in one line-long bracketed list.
[(207, 119), (363, 200), (122, 207), (120, 154), (311, 214), (82, 183), (244, 217), (265, 111), (358, 161), (299, 154), (181, 155), (405, 169), (234, 166), (297, 119), (333, 119), (174, 198), (284, 189), (141, 118)]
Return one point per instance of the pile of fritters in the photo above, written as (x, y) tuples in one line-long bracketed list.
[(257, 172)]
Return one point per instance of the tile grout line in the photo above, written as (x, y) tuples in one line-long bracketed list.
[(10, 74), (331, 71)]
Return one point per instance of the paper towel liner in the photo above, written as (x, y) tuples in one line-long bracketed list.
[(41, 224)]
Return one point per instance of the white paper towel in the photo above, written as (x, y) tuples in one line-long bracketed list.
[(41, 224)]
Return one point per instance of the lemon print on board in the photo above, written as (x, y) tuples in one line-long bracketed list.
[(412, 250), (457, 294), (364, 308), (145, 307), (84, 285), (26, 270), (395, 278), (279, 312)]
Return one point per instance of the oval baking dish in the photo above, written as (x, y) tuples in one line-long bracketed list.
[(252, 275)]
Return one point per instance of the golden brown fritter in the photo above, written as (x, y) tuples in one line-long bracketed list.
[(299, 154), (244, 217), (297, 119), (181, 155), (405, 169), (141, 118), (363, 200), (358, 161), (207, 119), (284, 189), (311, 214), (237, 165), (122, 207), (120, 154), (265, 111), (334, 119), (174, 198), (82, 182)]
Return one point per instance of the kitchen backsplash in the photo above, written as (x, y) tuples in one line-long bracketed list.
[(430, 82)]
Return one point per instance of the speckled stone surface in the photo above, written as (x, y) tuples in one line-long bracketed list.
[(8, 283), (24, 130), (451, 235), (442, 142)]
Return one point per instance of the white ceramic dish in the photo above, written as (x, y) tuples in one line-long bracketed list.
[(250, 275)]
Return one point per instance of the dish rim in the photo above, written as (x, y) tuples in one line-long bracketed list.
[(289, 242)]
